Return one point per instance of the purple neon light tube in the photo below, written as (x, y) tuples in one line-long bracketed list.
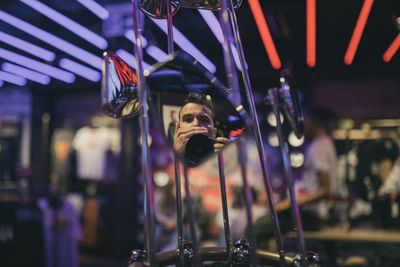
[(26, 73), (53, 40), (156, 53), (130, 35), (27, 47), (95, 8), (186, 45), (68, 23), (11, 78), (131, 60), (38, 66), (215, 27), (80, 69)]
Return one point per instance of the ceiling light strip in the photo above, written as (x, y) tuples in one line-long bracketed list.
[(130, 35), (131, 60), (26, 73), (186, 45), (27, 47), (53, 40), (1, 83), (311, 32), (358, 31), (216, 29), (95, 8), (265, 33), (68, 23), (11, 78), (156, 53), (38, 66), (80, 69), (387, 56)]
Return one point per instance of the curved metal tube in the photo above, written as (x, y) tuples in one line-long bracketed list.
[(257, 133), (144, 131), (294, 207)]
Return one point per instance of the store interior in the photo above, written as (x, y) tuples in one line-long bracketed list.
[(72, 190)]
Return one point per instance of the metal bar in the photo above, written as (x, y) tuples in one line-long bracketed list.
[(294, 207), (170, 29), (225, 214), (190, 215), (257, 133), (248, 200), (179, 216), (151, 260)]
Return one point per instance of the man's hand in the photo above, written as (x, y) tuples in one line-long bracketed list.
[(182, 136), (221, 143)]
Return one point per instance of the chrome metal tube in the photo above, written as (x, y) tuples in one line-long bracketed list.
[(248, 200), (170, 29), (228, 242), (190, 215), (179, 217), (273, 96), (257, 133), (144, 131)]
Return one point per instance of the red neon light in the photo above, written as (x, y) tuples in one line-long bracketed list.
[(358, 31), (387, 56), (265, 33), (311, 33)]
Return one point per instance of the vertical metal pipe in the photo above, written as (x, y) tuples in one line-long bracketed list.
[(190, 215), (144, 130), (273, 96), (179, 216), (170, 28), (248, 200), (225, 207), (257, 133)]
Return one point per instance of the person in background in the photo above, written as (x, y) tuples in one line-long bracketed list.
[(318, 176)]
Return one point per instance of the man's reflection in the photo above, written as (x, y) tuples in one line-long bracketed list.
[(196, 118)]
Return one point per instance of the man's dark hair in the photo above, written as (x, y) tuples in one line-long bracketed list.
[(200, 99), (323, 117)]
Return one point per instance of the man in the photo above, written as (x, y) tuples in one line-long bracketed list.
[(196, 116), (317, 179)]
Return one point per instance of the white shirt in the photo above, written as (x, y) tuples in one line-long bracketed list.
[(320, 156)]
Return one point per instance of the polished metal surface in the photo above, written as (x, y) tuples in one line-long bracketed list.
[(157, 9), (291, 103), (205, 4), (119, 96)]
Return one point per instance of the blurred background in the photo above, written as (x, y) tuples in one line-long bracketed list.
[(58, 152)]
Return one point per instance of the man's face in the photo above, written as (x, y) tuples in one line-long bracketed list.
[(193, 114)]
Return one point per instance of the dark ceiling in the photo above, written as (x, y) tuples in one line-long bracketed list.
[(287, 20)]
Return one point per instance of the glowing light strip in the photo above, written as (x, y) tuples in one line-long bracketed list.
[(68, 23), (27, 47), (11, 78), (130, 35), (1, 83), (186, 45), (80, 69), (156, 53), (387, 56), (216, 29), (265, 33), (311, 33), (38, 66), (53, 40), (358, 31), (131, 60), (95, 8), (26, 73)]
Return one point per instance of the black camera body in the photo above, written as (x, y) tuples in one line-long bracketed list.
[(198, 148)]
